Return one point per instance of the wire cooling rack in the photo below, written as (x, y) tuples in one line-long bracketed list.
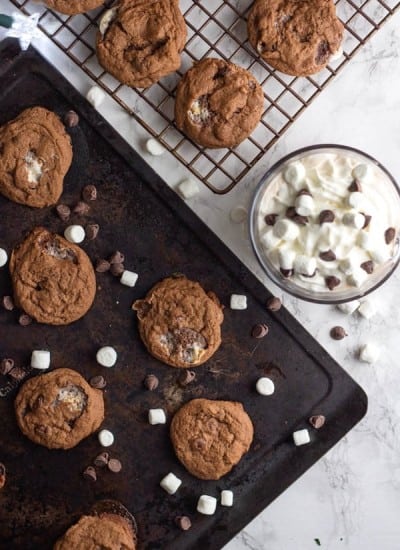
[(215, 28)]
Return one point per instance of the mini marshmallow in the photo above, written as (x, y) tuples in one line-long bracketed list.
[(356, 200), (106, 438), (286, 258), (207, 505), (170, 483), (354, 219), (238, 214), (269, 240), (366, 240), (129, 278), (369, 353), (40, 359), (226, 498), (367, 309), (238, 301), (301, 437), (304, 205), (357, 277), (294, 173), (74, 233), (106, 356), (95, 96), (305, 265), (360, 172), (157, 416), (107, 19), (188, 189), (286, 230), (349, 307), (347, 266), (265, 386), (380, 254), (3, 257), (154, 147)]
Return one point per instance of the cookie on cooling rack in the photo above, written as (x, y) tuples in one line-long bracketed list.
[(218, 104), (140, 41), (297, 37), (72, 7)]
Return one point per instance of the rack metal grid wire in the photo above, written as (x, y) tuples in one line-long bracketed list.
[(215, 28)]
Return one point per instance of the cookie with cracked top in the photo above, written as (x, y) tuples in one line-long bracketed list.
[(35, 155), (179, 323), (53, 279), (140, 41), (296, 37), (218, 104), (72, 7), (58, 409), (210, 437)]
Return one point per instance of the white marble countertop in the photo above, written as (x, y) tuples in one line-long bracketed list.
[(350, 499)]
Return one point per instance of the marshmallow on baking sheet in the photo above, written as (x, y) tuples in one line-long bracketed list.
[(74, 234), (349, 307), (154, 147), (207, 505), (357, 277), (354, 219), (305, 265), (286, 230), (269, 240), (157, 416), (369, 353), (226, 498), (294, 173), (238, 301), (106, 20), (265, 386), (367, 308), (356, 200), (360, 172), (95, 96), (129, 278), (301, 437), (106, 438), (3, 257), (304, 205), (188, 189), (40, 359), (106, 356), (170, 483)]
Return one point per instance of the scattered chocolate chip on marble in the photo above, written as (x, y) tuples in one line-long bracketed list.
[(338, 333), (102, 266), (117, 269), (274, 303), (8, 303), (71, 119), (92, 230), (326, 216), (18, 373), (81, 208), (117, 258), (355, 187), (367, 220), (2, 475), (260, 330), (327, 256), (183, 522), (89, 193), (368, 266), (151, 382), (63, 211), (332, 282), (98, 382), (114, 465), (101, 460), (6, 365), (390, 234), (24, 320), (286, 272), (187, 377), (317, 421), (90, 474), (270, 219)]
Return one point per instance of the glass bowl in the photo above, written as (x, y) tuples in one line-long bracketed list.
[(299, 286)]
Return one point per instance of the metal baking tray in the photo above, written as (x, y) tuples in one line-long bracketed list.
[(141, 216)]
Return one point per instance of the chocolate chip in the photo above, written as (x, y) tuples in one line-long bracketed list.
[(355, 187), (117, 269), (270, 219), (338, 333), (89, 193), (390, 234), (328, 256), (199, 444), (114, 465), (81, 208), (295, 217), (367, 220), (63, 212), (3, 475), (18, 373), (98, 382), (92, 230), (259, 331), (368, 266), (326, 216), (38, 403), (323, 52), (274, 303), (317, 421), (291, 212), (24, 320), (71, 119), (332, 282), (6, 366), (183, 522), (117, 258), (101, 460), (187, 377), (90, 474), (286, 272), (8, 303), (304, 192), (102, 266), (151, 382)]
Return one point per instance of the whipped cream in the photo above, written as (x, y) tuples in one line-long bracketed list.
[(329, 221)]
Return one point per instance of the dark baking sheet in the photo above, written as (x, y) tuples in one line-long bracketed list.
[(139, 215)]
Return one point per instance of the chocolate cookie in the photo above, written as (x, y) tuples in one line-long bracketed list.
[(72, 7), (53, 280), (140, 41), (58, 409), (218, 104), (210, 437), (179, 323), (296, 37), (35, 155)]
